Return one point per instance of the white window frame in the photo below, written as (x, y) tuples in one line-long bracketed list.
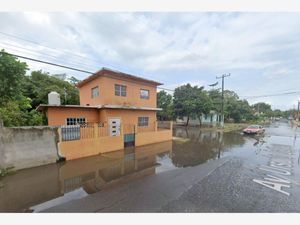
[(142, 96), (120, 90), (95, 94)]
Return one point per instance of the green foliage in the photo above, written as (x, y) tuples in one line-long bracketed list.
[(216, 98), (264, 108), (191, 101), (164, 101), (73, 80), (40, 84), (21, 94), (19, 113), (12, 72)]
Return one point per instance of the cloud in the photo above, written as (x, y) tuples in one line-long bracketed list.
[(261, 50)]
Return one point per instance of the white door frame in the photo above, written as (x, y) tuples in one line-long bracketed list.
[(118, 133)]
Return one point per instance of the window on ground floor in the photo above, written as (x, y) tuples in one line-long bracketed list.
[(74, 120), (143, 121)]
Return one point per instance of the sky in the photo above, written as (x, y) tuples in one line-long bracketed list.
[(261, 51)]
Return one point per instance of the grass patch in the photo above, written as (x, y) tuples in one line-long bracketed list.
[(6, 171)]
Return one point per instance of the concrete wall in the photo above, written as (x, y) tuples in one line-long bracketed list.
[(26, 147)]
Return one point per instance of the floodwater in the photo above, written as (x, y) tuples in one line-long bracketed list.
[(36, 189)]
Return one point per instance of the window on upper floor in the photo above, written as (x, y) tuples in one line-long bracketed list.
[(95, 92), (144, 94), (143, 121), (120, 90)]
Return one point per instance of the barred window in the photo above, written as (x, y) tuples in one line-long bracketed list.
[(120, 90), (143, 121), (74, 121), (95, 92), (144, 94)]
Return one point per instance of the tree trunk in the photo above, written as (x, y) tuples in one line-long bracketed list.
[(187, 121), (200, 120)]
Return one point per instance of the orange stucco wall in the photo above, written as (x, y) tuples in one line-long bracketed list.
[(88, 147), (107, 93), (58, 116), (145, 138), (128, 117)]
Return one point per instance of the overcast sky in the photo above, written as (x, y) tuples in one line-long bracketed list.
[(260, 50)]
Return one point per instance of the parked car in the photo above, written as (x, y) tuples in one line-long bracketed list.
[(254, 129)]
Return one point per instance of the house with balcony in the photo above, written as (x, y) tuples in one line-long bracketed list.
[(116, 110)]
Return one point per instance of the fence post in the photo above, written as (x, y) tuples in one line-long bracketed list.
[(171, 125), (95, 126), (59, 134)]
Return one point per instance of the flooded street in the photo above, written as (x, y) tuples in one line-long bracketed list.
[(40, 188)]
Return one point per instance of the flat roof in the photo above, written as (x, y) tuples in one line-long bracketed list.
[(43, 107), (106, 71)]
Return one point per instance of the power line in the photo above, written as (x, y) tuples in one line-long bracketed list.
[(26, 51), (50, 63), (51, 48), (62, 66), (270, 95)]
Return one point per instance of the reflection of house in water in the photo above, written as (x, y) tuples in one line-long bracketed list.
[(111, 169), (34, 186)]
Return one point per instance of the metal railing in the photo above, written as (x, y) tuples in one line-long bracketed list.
[(94, 130)]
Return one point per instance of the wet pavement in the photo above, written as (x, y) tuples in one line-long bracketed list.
[(199, 171)]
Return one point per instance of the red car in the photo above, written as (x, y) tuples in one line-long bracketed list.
[(254, 129)]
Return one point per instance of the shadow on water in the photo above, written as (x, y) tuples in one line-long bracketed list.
[(46, 186)]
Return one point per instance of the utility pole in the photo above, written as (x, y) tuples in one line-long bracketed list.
[(65, 92), (222, 114)]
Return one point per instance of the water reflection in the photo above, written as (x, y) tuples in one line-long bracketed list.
[(46, 186), (49, 184), (202, 145)]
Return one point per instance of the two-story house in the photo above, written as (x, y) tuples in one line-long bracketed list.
[(118, 101)]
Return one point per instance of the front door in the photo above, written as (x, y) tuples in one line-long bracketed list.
[(114, 127)]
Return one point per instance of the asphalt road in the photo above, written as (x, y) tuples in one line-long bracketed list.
[(261, 177)]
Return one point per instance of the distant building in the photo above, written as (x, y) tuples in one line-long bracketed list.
[(211, 119)]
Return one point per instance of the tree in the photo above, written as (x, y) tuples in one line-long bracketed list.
[(12, 72), (21, 94), (191, 102), (19, 113), (262, 107), (203, 103), (73, 80), (164, 101), (236, 109), (40, 84)]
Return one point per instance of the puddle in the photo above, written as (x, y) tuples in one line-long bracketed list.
[(42, 187)]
